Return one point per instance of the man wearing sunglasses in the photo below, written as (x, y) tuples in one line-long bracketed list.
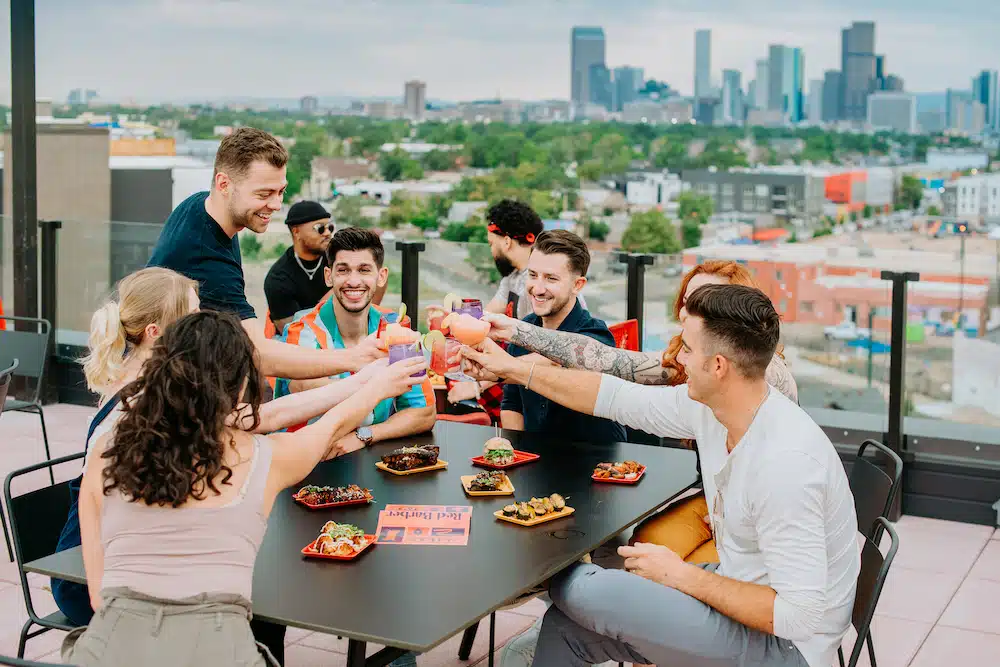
[(296, 282)]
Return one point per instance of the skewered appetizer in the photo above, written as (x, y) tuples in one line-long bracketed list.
[(619, 470), (409, 458), (498, 451), (340, 539), (536, 507), (490, 480), (325, 495)]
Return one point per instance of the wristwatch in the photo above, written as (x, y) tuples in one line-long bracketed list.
[(364, 434)]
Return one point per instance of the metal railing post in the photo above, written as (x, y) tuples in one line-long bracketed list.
[(636, 286), (896, 438), (50, 280), (410, 289)]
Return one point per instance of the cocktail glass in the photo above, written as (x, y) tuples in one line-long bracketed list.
[(473, 307), (402, 351)]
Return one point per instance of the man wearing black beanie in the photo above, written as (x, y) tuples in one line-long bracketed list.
[(296, 282)]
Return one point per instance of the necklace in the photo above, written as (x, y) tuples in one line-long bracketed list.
[(309, 272)]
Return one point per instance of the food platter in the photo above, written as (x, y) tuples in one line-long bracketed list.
[(506, 488), (338, 541), (537, 520), (300, 495), (520, 458), (309, 551), (628, 472), (440, 465), (535, 511)]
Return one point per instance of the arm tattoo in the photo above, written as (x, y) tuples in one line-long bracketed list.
[(578, 351)]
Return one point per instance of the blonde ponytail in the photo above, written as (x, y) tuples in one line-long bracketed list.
[(103, 365), (151, 296)]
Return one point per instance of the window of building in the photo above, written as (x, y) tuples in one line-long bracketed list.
[(727, 203), (806, 306), (713, 189), (747, 191), (762, 190), (728, 189), (783, 305), (763, 204)]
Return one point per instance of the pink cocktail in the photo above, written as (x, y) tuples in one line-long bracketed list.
[(468, 330)]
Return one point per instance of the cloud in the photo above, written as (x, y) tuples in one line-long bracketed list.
[(168, 49)]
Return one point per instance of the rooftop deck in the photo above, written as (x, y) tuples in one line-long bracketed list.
[(938, 608)]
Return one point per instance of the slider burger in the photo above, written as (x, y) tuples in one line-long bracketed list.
[(498, 451)]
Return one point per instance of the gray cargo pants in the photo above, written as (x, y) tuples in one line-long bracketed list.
[(133, 629), (600, 615)]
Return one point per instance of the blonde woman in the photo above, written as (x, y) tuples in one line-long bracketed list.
[(122, 334)]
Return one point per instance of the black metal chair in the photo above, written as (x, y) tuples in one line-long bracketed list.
[(15, 662), (5, 377), (874, 570), (31, 348), (873, 487), (36, 521)]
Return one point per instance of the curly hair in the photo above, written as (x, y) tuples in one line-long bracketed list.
[(170, 442), (515, 219)]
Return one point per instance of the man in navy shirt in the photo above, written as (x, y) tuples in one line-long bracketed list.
[(557, 271), (199, 240)]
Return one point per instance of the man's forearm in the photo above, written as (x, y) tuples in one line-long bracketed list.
[(296, 363), (574, 389), (749, 604), (296, 408), (405, 422), (298, 386), (578, 351)]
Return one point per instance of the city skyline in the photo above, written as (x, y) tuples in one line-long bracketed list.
[(179, 50)]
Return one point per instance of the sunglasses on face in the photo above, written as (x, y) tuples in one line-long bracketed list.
[(320, 227)]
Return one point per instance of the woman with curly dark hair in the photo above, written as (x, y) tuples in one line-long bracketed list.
[(174, 501)]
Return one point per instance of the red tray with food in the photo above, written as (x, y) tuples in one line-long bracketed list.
[(324, 497), (499, 454), (620, 472), (338, 541)]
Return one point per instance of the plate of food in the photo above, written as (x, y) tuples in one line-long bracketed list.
[(499, 454), (322, 497), (620, 472), (488, 483), (411, 460), (338, 541), (535, 511)]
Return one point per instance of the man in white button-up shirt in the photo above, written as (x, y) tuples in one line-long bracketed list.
[(780, 506)]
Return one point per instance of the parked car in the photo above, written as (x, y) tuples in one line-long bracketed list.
[(846, 331)]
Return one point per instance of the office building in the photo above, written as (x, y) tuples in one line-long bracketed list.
[(779, 193), (814, 109), (956, 159), (415, 99), (732, 97), (309, 104), (933, 121), (984, 91), (602, 90), (893, 83), (786, 65), (973, 199), (628, 82), (893, 111), (702, 64), (586, 50), (831, 96), (763, 88), (965, 112), (858, 66)]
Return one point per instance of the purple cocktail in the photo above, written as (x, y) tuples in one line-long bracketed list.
[(406, 351), (472, 307)]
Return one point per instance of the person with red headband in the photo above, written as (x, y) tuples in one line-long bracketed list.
[(511, 230)]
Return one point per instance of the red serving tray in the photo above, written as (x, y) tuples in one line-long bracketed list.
[(344, 503), (612, 480), (520, 458), (310, 550)]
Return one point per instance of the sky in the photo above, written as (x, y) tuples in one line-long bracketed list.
[(185, 50)]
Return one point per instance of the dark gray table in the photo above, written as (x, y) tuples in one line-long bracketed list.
[(415, 597)]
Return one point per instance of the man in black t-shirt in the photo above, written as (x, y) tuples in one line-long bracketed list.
[(199, 240), (295, 281)]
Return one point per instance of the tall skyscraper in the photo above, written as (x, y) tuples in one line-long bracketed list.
[(628, 82), (602, 91), (814, 111), (415, 99), (763, 85), (965, 113), (732, 97), (893, 111), (586, 50), (786, 66), (985, 91), (859, 69), (832, 89), (702, 64)]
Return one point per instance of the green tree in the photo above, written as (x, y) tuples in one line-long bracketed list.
[(598, 230), (650, 232), (402, 210), (393, 165), (348, 213), (438, 161), (412, 171), (867, 212), (693, 206), (250, 246), (691, 233), (911, 191), (933, 210), (300, 158)]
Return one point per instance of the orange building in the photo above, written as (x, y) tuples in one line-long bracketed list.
[(847, 188)]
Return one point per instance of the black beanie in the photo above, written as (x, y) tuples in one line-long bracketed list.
[(305, 211)]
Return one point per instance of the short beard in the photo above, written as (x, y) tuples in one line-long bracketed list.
[(504, 265), (348, 308)]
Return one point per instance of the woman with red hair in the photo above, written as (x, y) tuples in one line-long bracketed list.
[(682, 526)]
